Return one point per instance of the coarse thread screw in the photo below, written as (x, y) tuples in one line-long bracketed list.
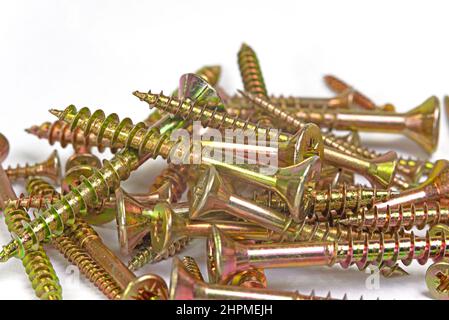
[(250, 71), (147, 255), (251, 278), (50, 168), (90, 192), (184, 286), (174, 175), (38, 186), (339, 86), (37, 265), (193, 268), (419, 216), (223, 260), (38, 202), (59, 131), (96, 274), (73, 252)]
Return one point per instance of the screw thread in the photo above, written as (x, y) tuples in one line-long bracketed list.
[(340, 86), (111, 132), (24, 171), (37, 265), (59, 131), (211, 74), (38, 186), (251, 278), (96, 274), (147, 255), (176, 176), (209, 117), (250, 71), (89, 193), (406, 166), (404, 247), (38, 202), (191, 266), (417, 216), (344, 198)]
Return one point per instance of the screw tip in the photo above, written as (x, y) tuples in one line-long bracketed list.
[(55, 112), (139, 95)]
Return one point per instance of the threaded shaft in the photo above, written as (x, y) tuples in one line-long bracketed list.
[(191, 266), (37, 265), (251, 278), (96, 274), (408, 167), (89, 193), (418, 216), (250, 71), (340, 86), (38, 202), (113, 133), (59, 131), (209, 117), (38, 186), (345, 198), (147, 255), (176, 176), (405, 248), (210, 74)]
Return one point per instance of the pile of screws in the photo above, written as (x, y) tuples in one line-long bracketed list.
[(278, 192)]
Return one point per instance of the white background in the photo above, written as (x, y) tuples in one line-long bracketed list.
[(95, 53)]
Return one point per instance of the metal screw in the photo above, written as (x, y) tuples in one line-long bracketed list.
[(146, 287), (418, 216), (89, 192), (50, 168), (339, 86), (184, 286), (37, 265), (227, 257), (193, 268), (380, 171), (147, 255)]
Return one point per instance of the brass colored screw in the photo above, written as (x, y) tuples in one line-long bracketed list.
[(79, 257), (176, 177), (211, 74), (437, 275), (339, 86), (211, 194), (59, 131), (147, 255), (420, 124), (251, 278), (434, 188), (168, 226), (193, 268), (40, 187), (250, 71), (184, 286), (227, 257), (148, 287), (73, 252), (89, 192), (418, 216), (37, 265), (50, 168)]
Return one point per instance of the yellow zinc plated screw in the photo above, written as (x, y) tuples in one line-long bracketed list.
[(184, 286), (339, 86), (147, 255), (379, 171), (50, 168), (73, 252), (227, 257), (89, 192), (193, 268), (420, 124), (419, 216), (146, 287), (37, 265)]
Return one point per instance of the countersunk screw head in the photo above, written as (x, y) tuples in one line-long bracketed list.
[(437, 280)]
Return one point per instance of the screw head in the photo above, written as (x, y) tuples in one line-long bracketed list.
[(147, 287), (437, 280)]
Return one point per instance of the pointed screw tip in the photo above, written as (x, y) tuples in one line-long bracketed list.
[(55, 112), (139, 94)]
